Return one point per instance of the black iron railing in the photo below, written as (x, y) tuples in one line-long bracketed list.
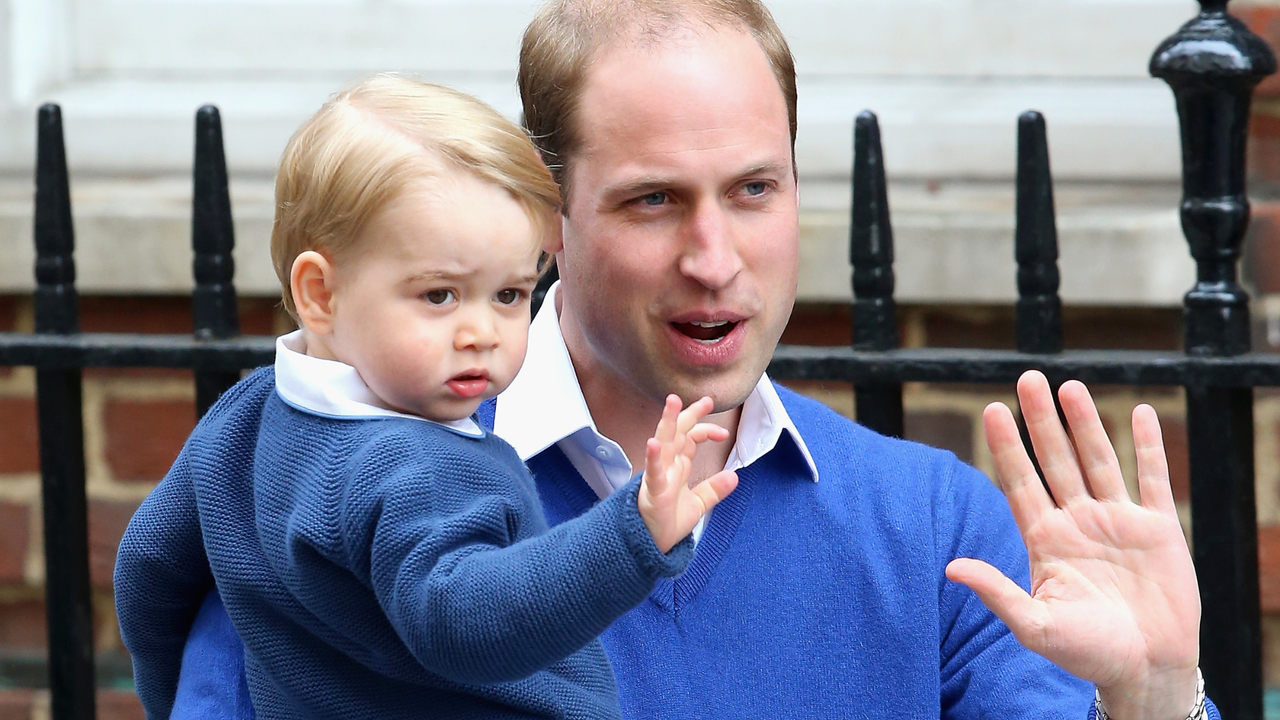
[(1212, 64)]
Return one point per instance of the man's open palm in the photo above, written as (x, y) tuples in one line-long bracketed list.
[(1113, 595)]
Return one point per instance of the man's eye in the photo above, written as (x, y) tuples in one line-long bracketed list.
[(439, 297), (755, 188), (510, 296), (654, 199)]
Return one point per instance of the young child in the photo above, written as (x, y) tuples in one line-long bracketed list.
[(381, 555)]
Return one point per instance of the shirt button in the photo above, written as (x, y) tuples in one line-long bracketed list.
[(602, 452)]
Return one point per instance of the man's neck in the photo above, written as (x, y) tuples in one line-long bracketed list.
[(629, 418)]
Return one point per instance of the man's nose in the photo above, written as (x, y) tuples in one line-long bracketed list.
[(476, 330), (711, 254)]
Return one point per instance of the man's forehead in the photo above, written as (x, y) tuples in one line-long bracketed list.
[(698, 84)]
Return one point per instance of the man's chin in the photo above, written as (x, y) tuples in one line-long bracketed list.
[(728, 389)]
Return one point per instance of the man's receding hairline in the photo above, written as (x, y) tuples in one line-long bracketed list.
[(647, 24)]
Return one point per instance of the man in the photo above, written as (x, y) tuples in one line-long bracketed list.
[(820, 587)]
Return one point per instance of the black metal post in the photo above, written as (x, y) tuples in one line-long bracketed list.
[(213, 302), (875, 315), (58, 394), (1039, 314), (1213, 63)]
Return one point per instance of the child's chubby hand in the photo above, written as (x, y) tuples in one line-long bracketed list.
[(669, 507)]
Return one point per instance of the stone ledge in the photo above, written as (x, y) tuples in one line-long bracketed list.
[(1101, 128), (1120, 244)]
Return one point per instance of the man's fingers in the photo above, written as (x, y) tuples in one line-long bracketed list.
[(1153, 465), (1097, 456), (1017, 476), (1053, 448), (715, 488), (1003, 597)]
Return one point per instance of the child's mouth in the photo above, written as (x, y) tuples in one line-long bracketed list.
[(469, 384)]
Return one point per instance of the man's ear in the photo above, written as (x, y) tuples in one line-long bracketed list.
[(553, 238), (311, 280)]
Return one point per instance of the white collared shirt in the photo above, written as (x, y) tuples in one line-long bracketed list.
[(334, 389), (544, 406)]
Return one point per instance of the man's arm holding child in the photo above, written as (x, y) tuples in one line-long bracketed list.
[(474, 607), (161, 578)]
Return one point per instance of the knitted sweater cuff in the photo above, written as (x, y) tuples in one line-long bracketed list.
[(650, 560)]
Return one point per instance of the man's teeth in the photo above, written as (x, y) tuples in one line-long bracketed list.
[(707, 332)]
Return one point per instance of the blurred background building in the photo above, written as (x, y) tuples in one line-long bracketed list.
[(948, 79)]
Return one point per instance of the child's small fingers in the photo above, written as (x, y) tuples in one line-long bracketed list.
[(702, 432), (691, 415), (655, 475), (678, 473), (667, 424), (668, 429), (715, 488)]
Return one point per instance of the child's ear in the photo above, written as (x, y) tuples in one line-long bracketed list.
[(311, 280)]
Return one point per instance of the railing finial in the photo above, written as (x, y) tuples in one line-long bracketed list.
[(1039, 314), (212, 234), (875, 317), (56, 301), (1213, 63), (875, 313), (213, 301)]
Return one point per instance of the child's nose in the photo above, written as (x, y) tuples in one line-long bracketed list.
[(477, 332)]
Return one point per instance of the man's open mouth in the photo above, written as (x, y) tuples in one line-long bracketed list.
[(707, 333)]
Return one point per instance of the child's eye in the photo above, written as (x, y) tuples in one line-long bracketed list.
[(439, 297), (510, 296)]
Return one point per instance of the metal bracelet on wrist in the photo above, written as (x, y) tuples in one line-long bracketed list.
[(1198, 711)]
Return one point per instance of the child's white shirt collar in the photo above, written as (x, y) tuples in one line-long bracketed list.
[(334, 389)]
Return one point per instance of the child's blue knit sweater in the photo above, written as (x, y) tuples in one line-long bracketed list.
[(388, 568)]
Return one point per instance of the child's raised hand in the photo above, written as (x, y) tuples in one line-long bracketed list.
[(669, 507)]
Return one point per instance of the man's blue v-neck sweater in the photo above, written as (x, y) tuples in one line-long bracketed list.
[(379, 568), (829, 599)]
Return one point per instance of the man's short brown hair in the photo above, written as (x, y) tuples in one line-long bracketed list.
[(559, 43)]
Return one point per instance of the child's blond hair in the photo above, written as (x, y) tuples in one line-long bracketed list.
[(370, 142)]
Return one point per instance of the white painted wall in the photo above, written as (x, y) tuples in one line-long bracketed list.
[(948, 79)]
